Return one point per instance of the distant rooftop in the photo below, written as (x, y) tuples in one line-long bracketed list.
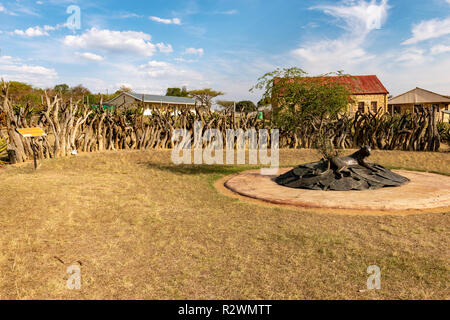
[(366, 84), (419, 96), (163, 99)]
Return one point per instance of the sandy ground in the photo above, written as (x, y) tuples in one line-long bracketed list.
[(426, 192)]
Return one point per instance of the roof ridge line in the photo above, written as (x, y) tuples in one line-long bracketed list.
[(416, 96), (403, 94)]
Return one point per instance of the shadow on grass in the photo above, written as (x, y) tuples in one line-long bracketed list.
[(201, 169)]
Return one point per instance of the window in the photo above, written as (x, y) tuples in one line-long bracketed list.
[(396, 109), (374, 107), (361, 107)]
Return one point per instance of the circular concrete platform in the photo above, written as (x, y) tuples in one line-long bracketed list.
[(427, 192)]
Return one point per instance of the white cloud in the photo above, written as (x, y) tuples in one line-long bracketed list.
[(164, 48), (438, 49), (198, 51), (32, 32), (151, 77), (429, 29), (311, 25), (56, 27), (412, 56), (20, 7), (130, 15), (89, 56), (168, 72), (228, 12), (360, 18), (6, 11), (123, 84), (37, 31), (184, 60), (113, 41), (333, 54), (156, 68), (94, 84), (430, 76), (166, 21), (14, 69), (49, 28)]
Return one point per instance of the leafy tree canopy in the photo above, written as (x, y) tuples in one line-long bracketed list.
[(264, 102), (245, 106), (226, 104), (295, 95), (266, 82), (22, 94), (177, 92), (80, 89), (62, 88), (124, 89), (205, 96), (79, 92), (121, 89)]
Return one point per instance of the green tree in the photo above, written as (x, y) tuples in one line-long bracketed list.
[(92, 99), (177, 92), (18, 89), (33, 98), (62, 89), (267, 81), (264, 102), (205, 96), (226, 104), (245, 106), (79, 92), (295, 96), (124, 88), (22, 94)]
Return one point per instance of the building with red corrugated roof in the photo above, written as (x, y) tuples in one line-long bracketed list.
[(368, 93)]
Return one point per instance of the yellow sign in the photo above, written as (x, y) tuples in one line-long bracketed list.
[(31, 132)]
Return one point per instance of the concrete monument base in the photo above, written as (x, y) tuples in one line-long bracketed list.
[(426, 192)]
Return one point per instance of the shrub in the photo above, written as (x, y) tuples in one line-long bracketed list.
[(444, 131), (3, 145)]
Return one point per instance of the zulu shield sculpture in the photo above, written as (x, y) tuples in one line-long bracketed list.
[(341, 174)]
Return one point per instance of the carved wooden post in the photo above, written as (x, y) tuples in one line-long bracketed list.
[(15, 149)]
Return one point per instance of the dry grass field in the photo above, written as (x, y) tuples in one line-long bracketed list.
[(142, 228)]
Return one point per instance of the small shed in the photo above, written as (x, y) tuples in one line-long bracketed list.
[(126, 100)]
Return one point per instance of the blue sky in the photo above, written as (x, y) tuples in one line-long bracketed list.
[(225, 44)]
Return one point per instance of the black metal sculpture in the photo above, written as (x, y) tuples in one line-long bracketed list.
[(342, 174)]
